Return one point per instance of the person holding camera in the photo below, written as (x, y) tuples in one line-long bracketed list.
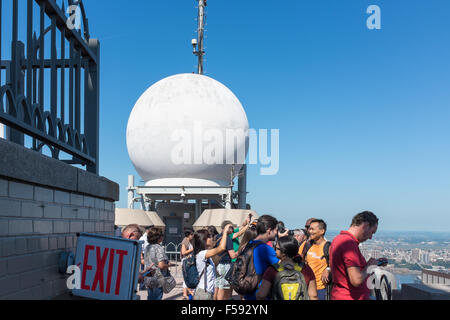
[(204, 250), (349, 269), (223, 288)]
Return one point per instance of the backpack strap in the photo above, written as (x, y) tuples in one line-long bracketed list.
[(306, 248), (298, 267), (207, 263), (278, 267), (326, 252)]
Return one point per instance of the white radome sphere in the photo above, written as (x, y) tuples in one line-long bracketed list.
[(184, 103)]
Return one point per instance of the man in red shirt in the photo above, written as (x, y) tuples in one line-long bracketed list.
[(348, 267)]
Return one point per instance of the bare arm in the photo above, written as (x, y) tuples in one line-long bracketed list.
[(222, 245), (185, 251), (163, 265), (358, 276), (240, 232), (312, 290), (263, 290), (242, 229)]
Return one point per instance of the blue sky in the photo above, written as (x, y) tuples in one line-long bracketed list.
[(363, 114)]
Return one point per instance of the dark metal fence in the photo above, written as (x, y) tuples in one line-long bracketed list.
[(52, 79)]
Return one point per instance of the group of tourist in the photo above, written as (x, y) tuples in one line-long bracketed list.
[(289, 265)]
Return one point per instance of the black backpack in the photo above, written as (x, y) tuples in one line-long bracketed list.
[(190, 272), (242, 275)]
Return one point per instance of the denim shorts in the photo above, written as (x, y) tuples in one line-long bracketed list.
[(221, 282)]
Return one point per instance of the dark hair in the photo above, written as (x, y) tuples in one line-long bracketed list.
[(188, 232), (264, 223), (289, 246), (200, 238), (365, 216), (225, 223), (248, 236), (322, 224), (212, 231), (154, 235)]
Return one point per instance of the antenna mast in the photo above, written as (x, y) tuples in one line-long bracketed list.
[(199, 52)]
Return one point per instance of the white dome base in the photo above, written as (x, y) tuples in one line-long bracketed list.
[(184, 182)]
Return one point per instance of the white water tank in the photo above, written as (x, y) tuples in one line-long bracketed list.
[(182, 132)]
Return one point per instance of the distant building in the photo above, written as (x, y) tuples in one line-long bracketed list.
[(415, 255), (425, 258)]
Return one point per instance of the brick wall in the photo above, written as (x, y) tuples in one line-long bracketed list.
[(36, 225), (39, 222)]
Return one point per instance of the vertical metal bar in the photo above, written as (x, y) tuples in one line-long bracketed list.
[(78, 91), (92, 106), (14, 56), (41, 56), (34, 82), (15, 21), (1, 5), (63, 68), (15, 74), (54, 75), (71, 84), (29, 51)]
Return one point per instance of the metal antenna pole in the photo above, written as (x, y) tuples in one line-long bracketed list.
[(199, 52)]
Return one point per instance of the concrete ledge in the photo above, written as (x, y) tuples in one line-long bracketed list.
[(22, 164), (423, 292)]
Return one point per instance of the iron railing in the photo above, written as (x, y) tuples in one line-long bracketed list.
[(51, 115), (173, 252)]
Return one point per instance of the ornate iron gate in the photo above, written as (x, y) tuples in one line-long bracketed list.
[(52, 115)]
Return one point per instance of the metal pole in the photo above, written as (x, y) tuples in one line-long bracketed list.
[(130, 189), (201, 29), (242, 188), (198, 209)]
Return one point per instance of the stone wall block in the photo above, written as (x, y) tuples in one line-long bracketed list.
[(83, 214), (76, 226), (9, 208), (69, 212), (88, 202), (4, 227), (32, 209), (62, 197), (3, 188), (21, 190), (76, 199), (43, 194), (20, 246), (52, 212), (20, 227), (61, 226), (52, 243), (43, 226)]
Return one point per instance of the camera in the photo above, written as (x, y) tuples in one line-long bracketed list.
[(281, 228)]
